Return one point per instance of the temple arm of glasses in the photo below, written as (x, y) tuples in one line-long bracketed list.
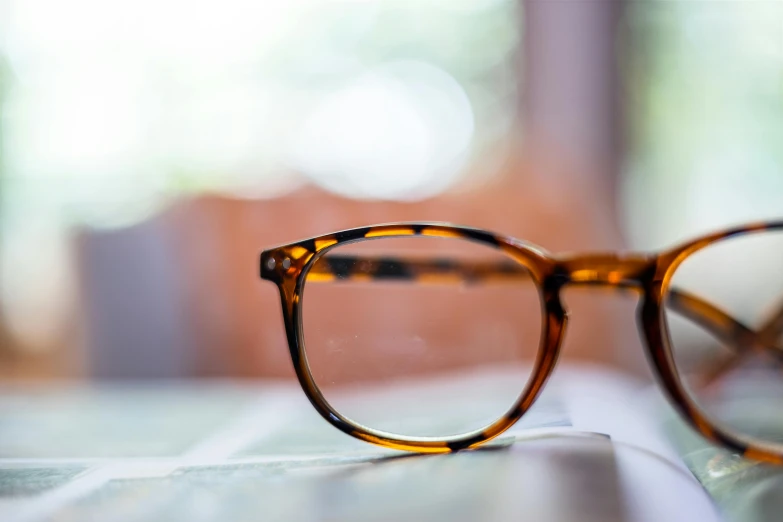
[(772, 328), (765, 341), (341, 268), (717, 322)]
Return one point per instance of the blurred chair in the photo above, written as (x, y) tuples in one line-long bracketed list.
[(134, 302)]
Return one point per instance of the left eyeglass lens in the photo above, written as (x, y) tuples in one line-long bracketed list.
[(420, 336), (724, 312)]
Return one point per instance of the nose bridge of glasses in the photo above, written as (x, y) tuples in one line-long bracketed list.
[(612, 270)]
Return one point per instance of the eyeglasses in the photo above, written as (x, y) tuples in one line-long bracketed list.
[(433, 338)]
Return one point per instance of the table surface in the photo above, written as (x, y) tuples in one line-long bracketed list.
[(232, 451)]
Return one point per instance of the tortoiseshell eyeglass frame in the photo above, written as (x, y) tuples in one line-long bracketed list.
[(649, 275)]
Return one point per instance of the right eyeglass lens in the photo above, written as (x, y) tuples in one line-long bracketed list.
[(724, 311), (420, 336)]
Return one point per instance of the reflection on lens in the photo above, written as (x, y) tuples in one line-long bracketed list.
[(724, 310), (420, 336)]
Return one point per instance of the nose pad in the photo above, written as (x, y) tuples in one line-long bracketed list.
[(555, 325), (555, 321)]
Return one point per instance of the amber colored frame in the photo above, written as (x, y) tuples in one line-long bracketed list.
[(647, 274)]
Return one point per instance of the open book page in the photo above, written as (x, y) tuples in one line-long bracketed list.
[(231, 451), (744, 489)]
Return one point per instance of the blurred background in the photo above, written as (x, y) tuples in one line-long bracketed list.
[(150, 150)]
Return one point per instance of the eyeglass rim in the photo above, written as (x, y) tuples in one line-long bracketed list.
[(701, 421), (649, 274)]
